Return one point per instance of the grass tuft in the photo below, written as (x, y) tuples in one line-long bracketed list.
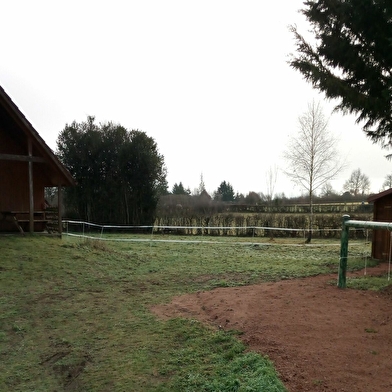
[(375, 283)]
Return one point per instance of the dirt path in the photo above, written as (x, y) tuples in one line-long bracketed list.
[(319, 337)]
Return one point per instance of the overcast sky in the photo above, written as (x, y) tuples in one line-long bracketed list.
[(207, 80)]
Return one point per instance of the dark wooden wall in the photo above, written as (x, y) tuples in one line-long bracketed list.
[(381, 238), (14, 178)]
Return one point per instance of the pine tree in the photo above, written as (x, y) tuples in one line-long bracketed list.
[(351, 60)]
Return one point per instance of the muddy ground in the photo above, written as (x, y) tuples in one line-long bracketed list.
[(320, 337)]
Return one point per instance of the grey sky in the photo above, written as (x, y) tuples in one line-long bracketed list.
[(208, 80)]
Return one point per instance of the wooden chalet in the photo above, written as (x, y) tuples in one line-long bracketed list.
[(27, 166), (382, 212)]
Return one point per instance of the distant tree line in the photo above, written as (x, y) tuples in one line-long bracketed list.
[(356, 187), (180, 205)]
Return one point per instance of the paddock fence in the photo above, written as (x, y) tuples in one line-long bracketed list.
[(161, 233), (348, 223)]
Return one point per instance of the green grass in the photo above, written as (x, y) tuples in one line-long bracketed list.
[(368, 282), (75, 313)]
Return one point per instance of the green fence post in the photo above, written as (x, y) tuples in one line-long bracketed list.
[(343, 253)]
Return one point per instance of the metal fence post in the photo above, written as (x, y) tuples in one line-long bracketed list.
[(343, 253)]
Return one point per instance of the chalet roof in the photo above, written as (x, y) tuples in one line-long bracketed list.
[(11, 111), (380, 195)]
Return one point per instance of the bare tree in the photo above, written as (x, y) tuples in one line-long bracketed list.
[(202, 187), (312, 155), (271, 177), (357, 184), (327, 190), (387, 184)]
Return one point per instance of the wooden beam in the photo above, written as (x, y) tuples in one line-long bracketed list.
[(21, 158), (31, 187), (59, 201)]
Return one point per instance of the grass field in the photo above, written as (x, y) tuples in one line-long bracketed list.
[(75, 313)]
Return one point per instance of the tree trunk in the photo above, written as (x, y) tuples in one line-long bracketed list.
[(309, 239)]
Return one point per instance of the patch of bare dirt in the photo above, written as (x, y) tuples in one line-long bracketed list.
[(320, 337)]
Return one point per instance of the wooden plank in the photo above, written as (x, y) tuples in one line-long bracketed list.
[(22, 158), (35, 221), (59, 201), (28, 212), (18, 225), (31, 187), (8, 214)]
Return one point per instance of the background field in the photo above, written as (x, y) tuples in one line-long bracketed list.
[(75, 313)]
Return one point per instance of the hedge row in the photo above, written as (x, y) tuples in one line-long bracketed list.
[(262, 224)]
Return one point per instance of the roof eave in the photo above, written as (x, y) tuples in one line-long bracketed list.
[(27, 127)]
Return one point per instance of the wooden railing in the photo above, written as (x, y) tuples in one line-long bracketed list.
[(43, 220)]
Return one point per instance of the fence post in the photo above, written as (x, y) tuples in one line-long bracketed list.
[(343, 253)]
